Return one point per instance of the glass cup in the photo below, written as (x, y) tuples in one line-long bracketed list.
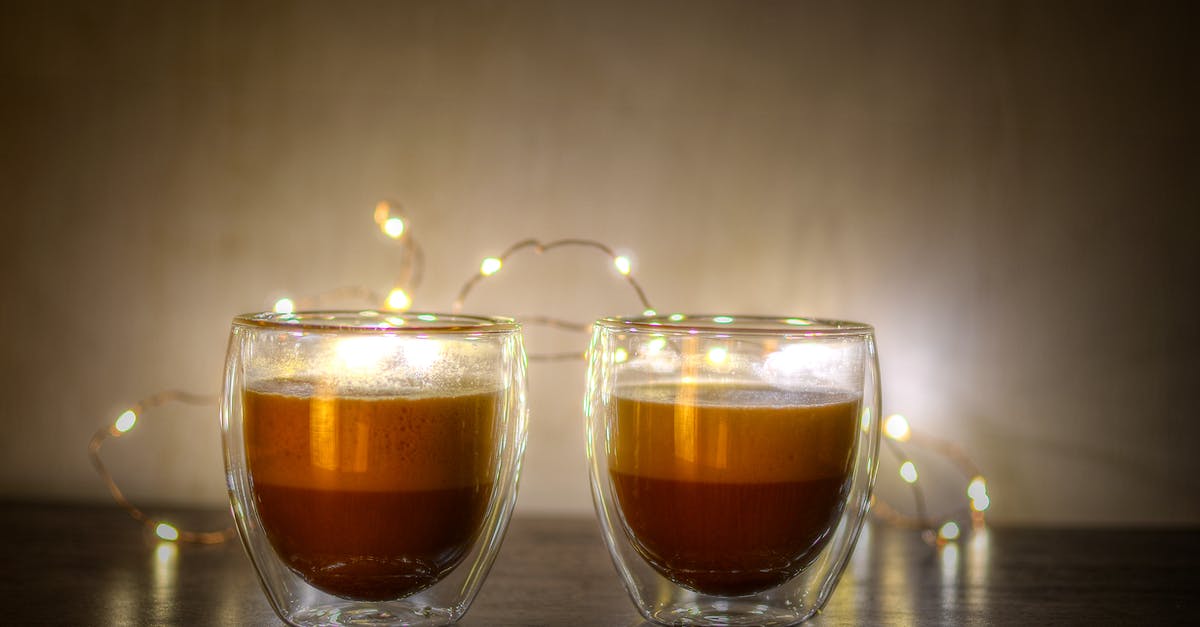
[(732, 459), (372, 459)]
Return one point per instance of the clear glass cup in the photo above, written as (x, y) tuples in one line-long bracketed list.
[(372, 459), (732, 460)]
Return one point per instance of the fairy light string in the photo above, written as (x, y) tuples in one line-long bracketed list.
[(125, 423), (898, 434)]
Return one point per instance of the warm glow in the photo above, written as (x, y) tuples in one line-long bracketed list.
[(399, 301), (717, 355), (490, 266), (623, 265), (165, 553), (981, 503), (908, 472), (649, 312), (166, 532), (977, 489), (420, 354), (393, 227), (949, 531), (284, 306), (126, 421), (800, 322), (620, 355), (655, 345), (675, 317), (362, 353), (896, 428), (722, 319), (382, 210)]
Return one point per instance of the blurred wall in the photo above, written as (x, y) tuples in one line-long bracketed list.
[(1007, 190)]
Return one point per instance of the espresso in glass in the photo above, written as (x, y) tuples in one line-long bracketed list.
[(731, 489), (731, 460), (369, 495)]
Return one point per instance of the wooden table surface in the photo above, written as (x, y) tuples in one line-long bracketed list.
[(91, 565)]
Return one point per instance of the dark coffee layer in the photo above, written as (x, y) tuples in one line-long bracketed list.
[(371, 546)]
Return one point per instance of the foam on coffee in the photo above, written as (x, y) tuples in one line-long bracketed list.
[(732, 433)]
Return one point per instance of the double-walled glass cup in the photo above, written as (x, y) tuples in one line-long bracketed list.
[(372, 459), (732, 459)]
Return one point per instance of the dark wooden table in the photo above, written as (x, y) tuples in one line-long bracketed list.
[(88, 565)]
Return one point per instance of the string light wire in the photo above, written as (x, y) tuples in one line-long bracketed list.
[(124, 424)]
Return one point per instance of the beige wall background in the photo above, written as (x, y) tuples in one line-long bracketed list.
[(1007, 190)]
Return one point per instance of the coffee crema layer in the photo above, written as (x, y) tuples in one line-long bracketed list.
[(731, 489), (369, 497)]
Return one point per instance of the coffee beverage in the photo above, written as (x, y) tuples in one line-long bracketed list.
[(369, 495), (731, 489)]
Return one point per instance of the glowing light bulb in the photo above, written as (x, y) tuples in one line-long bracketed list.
[(126, 421), (981, 503), (896, 428), (399, 301), (166, 532), (675, 317), (623, 265), (393, 227), (949, 531), (490, 266), (717, 355), (977, 488), (620, 355), (908, 472), (285, 306)]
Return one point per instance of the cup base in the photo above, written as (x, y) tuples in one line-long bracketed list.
[(354, 613), (730, 613)]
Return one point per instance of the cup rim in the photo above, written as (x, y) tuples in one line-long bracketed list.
[(736, 324), (373, 321)]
